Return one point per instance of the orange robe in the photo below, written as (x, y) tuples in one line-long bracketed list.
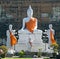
[(13, 39), (53, 41), (30, 25)]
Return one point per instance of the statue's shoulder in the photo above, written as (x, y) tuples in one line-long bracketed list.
[(25, 18), (34, 18), (52, 30), (7, 31)]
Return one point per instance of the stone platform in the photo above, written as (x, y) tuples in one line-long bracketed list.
[(37, 43)]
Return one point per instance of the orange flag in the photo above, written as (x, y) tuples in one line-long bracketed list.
[(30, 25), (13, 39), (53, 41)]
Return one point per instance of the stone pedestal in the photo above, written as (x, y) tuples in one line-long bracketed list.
[(23, 43)]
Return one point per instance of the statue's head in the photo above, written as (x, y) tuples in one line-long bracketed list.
[(30, 11), (50, 26), (10, 27)]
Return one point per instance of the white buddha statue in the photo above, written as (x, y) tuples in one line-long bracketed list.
[(29, 22), (48, 33), (29, 35), (8, 35)]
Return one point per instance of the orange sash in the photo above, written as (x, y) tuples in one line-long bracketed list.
[(13, 39), (31, 24), (52, 38)]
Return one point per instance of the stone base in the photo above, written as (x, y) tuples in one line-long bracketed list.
[(36, 37)]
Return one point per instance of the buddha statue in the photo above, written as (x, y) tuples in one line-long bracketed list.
[(29, 22), (8, 35), (29, 35), (48, 32)]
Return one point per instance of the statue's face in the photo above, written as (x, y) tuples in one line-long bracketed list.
[(10, 27), (29, 13), (50, 26)]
